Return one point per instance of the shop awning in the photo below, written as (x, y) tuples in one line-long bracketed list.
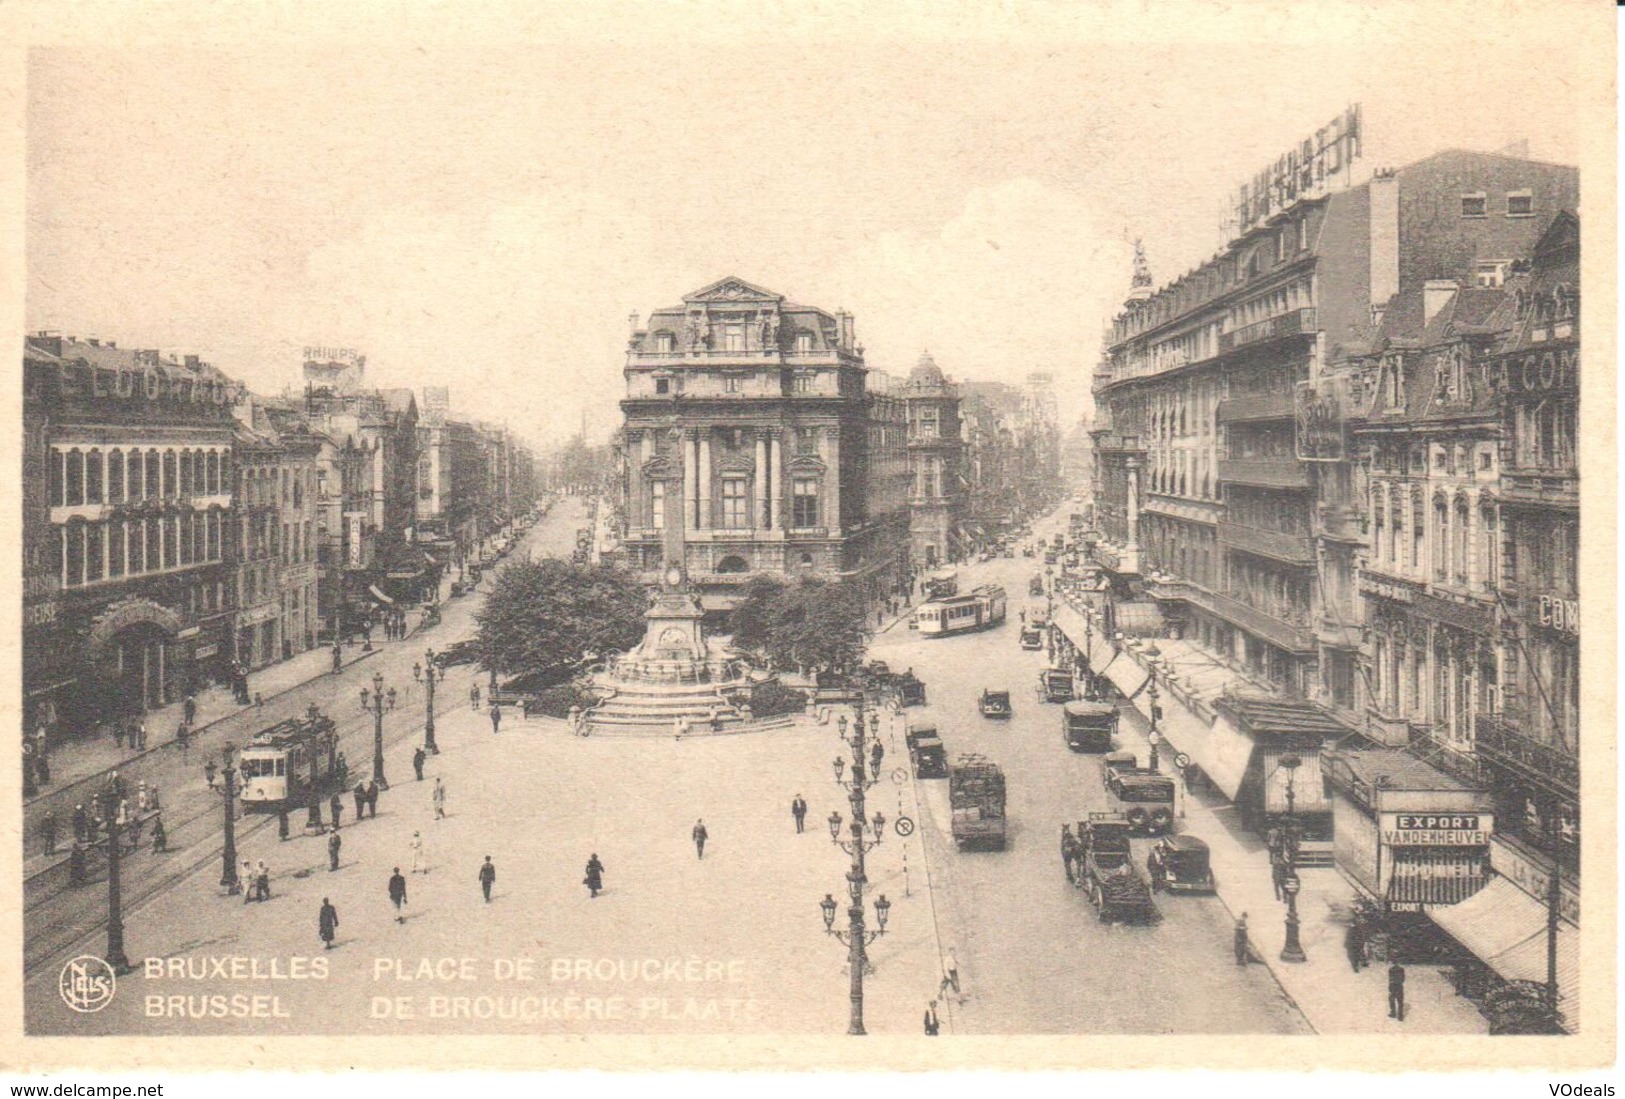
[(1127, 676), (1224, 754), (1506, 929), (1308, 789), (378, 595), (1071, 623), (1429, 876)]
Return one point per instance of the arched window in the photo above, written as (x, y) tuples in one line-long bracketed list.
[(1459, 541), (155, 543), (183, 473), (1396, 524), (115, 548), (138, 546), (1418, 529), (76, 477), (185, 549), (152, 475), (115, 477), (213, 464), (733, 563), (94, 477), (225, 471), (75, 532), (95, 548)]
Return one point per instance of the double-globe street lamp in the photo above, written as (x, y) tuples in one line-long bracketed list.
[(1292, 950), (1154, 737), (378, 731), (228, 854), (430, 676), (115, 956)]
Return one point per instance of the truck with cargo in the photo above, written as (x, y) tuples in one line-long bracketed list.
[(976, 799)]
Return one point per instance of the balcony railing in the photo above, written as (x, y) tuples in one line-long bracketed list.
[(1298, 322), (1266, 472), (1267, 406), (1504, 743), (1128, 444), (1294, 549), (1286, 635)]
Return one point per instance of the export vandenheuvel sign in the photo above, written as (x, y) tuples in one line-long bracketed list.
[(1437, 829)]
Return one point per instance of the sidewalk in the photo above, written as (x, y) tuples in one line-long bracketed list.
[(1333, 998)]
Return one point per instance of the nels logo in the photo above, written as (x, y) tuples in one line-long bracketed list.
[(87, 983)]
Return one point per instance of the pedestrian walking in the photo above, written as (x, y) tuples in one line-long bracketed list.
[(474, 698), (282, 825), (594, 881), (327, 923), (700, 836), (1396, 992), (141, 736), (438, 799), (338, 658), (47, 831), (360, 793), (118, 734), (1354, 943), (183, 741), (420, 864), (81, 824), (397, 894), (950, 974), (160, 837), (798, 809), (208, 773), (189, 709), (418, 759), (932, 1025), (262, 880), (488, 878), (1241, 940), (1278, 877), (417, 672), (372, 798), (364, 695), (42, 768), (389, 695), (335, 805), (246, 878), (496, 718), (334, 842)]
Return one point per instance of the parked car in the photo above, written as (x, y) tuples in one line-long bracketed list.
[(995, 704), (1054, 684), (927, 752), (1089, 726), (458, 652), (1181, 864)]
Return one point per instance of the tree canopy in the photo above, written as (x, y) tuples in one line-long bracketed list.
[(811, 623), (543, 613)]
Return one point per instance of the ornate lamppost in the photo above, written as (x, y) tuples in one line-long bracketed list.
[(115, 911), (378, 730), (1292, 951), (429, 677), (856, 936), (228, 870), (1152, 653)]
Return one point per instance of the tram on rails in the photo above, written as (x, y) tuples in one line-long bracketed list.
[(291, 765), (981, 609), (941, 584)]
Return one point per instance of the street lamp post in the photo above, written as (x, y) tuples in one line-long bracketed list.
[(378, 730), (115, 912), (429, 677), (228, 871), (1152, 654), (1292, 951), (856, 936)]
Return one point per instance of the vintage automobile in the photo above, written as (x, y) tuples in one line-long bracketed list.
[(1029, 551), (1099, 860), (910, 689), (927, 752), (1032, 636), (995, 704), (1145, 799), (1035, 586), (1115, 763), (1180, 864), (1089, 726), (1055, 685)]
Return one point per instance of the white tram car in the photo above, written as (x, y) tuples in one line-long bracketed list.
[(291, 765), (982, 609)]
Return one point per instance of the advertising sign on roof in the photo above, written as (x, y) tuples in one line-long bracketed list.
[(1308, 170)]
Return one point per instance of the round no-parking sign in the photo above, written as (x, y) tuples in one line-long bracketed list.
[(904, 826), (899, 775)]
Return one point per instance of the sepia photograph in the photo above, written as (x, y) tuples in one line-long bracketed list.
[(727, 529)]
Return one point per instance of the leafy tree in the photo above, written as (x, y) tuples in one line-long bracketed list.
[(549, 611), (812, 623)]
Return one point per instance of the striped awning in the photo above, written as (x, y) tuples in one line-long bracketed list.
[(1127, 676), (1139, 620), (1308, 789), (1506, 929)]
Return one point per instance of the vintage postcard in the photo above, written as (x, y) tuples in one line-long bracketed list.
[(782, 536)]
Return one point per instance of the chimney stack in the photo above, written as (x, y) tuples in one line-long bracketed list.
[(192, 362), (1384, 189), (113, 344), (95, 342), (632, 323), (1436, 294)]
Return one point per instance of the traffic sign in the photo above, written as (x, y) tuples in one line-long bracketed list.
[(904, 826), (899, 775), (1182, 760)]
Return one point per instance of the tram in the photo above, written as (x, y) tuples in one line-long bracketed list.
[(982, 609), (290, 765)]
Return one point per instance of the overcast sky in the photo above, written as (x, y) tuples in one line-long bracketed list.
[(484, 211)]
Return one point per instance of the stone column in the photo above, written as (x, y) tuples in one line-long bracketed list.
[(759, 516), (690, 480), (775, 482), (829, 446), (705, 479)]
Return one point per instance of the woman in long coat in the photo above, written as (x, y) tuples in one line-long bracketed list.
[(327, 923), (594, 880)]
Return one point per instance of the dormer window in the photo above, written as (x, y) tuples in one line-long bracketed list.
[(665, 343), (804, 343)]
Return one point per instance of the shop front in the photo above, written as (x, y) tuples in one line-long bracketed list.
[(1414, 840)]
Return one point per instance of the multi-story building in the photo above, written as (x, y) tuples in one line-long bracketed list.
[(935, 453), (275, 539), (136, 449), (453, 483), (751, 440)]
